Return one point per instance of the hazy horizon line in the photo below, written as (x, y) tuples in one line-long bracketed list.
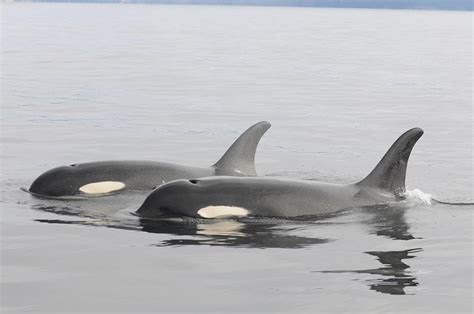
[(453, 5)]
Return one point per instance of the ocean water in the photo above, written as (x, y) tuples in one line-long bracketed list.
[(86, 82)]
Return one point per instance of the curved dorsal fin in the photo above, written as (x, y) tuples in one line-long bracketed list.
[(390, 172), (239, 159)]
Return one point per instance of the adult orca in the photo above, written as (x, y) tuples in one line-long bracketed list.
[(218, 197), (109, 177)]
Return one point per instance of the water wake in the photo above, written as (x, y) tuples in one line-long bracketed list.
[(417, 195)]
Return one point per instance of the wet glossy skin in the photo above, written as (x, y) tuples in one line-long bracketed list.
[(279, 197), (136, 175), (269, 197), (108, 177)]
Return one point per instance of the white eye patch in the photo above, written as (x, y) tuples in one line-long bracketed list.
[(222, 211), (102, 187)]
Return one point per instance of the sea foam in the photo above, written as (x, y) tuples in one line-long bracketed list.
[(417, 195)]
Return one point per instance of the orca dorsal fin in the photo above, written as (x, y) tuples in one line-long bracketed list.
[(390, 172), (239, 159)]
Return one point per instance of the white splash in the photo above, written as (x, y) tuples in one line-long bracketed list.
[(418, 195)]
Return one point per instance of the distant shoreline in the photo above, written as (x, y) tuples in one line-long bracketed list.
[(442, 5)]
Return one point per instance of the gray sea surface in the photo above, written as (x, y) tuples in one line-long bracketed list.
[(87, 82)]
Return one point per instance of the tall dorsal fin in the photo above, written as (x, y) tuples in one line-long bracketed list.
[(390, 172), (239, 159)]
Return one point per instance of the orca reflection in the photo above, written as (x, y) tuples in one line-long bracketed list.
[(390, 222), (395, 274), (258, 233)]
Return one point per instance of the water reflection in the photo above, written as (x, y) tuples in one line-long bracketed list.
[(400, 277), (251, 233), (258, 233), (396, 271), (385, 221), (389, 221), (66, 210), (97, 208)]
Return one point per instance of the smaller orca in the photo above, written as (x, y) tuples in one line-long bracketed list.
[(217, 197), (109, 177)]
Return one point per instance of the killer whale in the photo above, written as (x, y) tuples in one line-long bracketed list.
[(217, 197), (108, 177)]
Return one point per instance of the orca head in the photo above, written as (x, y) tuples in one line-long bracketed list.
[(55, 182), (175, 197), (199, 198), (72, 180)]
